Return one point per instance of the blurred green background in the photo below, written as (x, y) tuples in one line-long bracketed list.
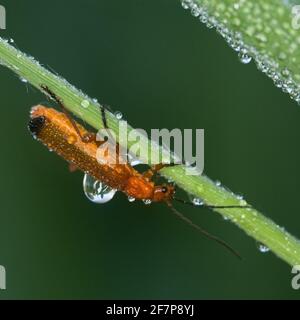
[(162, 69)]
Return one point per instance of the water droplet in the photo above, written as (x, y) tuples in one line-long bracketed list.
[(85, 104), (285, 72), (135, 162), (262, 248), (209, 24), (71, 139), (218, 183), (197, 202), (243, 202), (236, 22), (11, 40), (233, 13), (147, 201), (261, 37), (197, 12), (244, 58), (203, 18), (96, 191), (250, 31), (236, 6), (24, 80), (278, 83), (282, 56), (131, 199), (185, 4), (235, 45), (118, 115), (262, 66)]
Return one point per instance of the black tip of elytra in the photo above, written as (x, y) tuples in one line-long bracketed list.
[(35, 125)]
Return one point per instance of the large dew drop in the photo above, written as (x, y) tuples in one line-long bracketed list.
[(96, 191)]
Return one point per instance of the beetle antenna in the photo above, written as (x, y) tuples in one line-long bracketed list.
[(204, 232)]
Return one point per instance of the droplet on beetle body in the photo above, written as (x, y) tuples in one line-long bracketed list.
[(131, 199), (72, 139)]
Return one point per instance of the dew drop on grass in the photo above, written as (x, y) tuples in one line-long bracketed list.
[(282, 56), (244, 58), (261, 37), (195, 11), (185, 4), (262, 248), (209, 24), (85, 104), (265, 24), (285, 72), (96, 191), (197, 202), (218, 183), (243, 202), (240, 197), (118, 115)]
